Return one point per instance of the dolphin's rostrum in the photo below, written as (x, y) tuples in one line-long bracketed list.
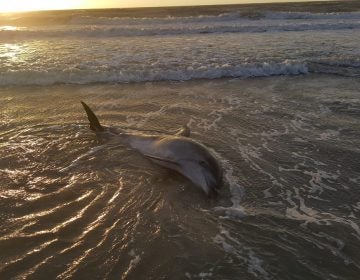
[(176, 152)]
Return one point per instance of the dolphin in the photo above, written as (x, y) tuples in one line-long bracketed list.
[(177, 152)]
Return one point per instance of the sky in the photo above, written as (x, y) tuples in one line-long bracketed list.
[(33, 5)]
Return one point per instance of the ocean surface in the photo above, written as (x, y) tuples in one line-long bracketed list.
[(273, 93)]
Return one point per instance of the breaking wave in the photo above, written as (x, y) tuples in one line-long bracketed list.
[(131, 31), (28, 77), (88, 76)]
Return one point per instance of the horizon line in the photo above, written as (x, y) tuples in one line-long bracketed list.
[(182, 6)]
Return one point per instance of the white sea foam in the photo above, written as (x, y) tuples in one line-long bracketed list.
[(307, 15), (236, 210), (86, 20), (154, 20), (329, 134), (242, 253), (45, 77)]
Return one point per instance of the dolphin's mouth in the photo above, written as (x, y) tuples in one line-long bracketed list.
[(161, 159), (200, 174), (165, 162)]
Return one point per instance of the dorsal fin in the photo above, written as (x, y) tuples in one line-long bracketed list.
[(184, 131), (94, 122)]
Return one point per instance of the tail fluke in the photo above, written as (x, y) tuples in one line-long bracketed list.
[(94, 122)]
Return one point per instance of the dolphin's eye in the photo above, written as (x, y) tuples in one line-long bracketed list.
[(201, 162)]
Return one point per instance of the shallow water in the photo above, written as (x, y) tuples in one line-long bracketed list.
[(75, 207)]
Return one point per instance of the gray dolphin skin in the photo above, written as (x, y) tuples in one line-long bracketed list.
[(176, 152)]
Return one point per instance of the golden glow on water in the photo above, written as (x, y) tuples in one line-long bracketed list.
[(15, 56), (37, 5), (7, 6), (11, 51), (8, 28)]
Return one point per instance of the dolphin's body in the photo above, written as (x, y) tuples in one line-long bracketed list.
[(176, 152)]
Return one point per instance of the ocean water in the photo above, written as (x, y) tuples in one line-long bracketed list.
[(82, 49), (275, 96)]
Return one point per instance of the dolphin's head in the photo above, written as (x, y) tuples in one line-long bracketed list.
[(204, 171), (186, 156)]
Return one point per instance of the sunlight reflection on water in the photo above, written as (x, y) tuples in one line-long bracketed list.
[(9, 28), (11, 51)]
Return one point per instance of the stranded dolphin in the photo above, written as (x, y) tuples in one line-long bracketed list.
[(176, 152)]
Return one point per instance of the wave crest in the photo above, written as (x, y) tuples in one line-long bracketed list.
[(27, 77)]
